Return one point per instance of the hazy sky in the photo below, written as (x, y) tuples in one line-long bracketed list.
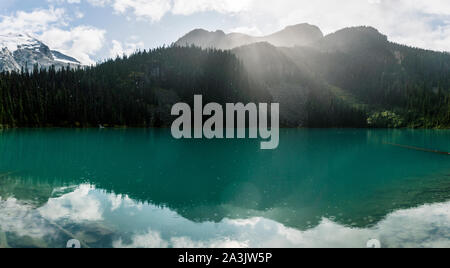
[(92, 30)]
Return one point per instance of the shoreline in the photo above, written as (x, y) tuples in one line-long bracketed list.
[(4, 127)]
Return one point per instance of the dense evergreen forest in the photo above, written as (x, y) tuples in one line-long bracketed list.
[(130, 91), (397, 85), (138, 91)]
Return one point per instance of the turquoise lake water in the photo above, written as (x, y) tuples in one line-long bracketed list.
[(142, 188)]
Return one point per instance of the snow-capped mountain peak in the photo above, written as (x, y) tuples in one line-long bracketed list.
[(15, 41), (23, 51)]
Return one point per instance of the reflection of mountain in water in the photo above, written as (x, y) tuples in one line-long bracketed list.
[(351, 177), (99, 219)]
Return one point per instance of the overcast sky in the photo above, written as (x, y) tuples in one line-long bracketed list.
[(92, 30)]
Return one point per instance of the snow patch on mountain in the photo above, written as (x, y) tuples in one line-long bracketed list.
[(58, 56), (23, 51), (14, 42)]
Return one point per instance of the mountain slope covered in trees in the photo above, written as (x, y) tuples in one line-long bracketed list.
[(352, 78), (132, 91), (399, 86), (393, 85)]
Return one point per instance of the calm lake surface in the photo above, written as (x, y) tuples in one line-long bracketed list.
[(142, 188)]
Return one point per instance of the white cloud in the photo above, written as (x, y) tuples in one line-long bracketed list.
[(152, 10), (100, 3), (413, 22), (119, 49), (188, 7), (35, 21), (80, 42), (50, 26)]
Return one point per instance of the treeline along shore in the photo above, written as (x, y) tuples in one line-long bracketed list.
[(140, 90)]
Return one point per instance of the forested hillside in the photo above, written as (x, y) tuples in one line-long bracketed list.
[(352, 78), (304, 100), (132, 91), (400, 86), (140, 90)]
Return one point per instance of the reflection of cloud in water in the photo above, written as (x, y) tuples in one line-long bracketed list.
[(186, 242), (426, 226), (118, 201), (143, 225), (149, 240), (76, 206), (21, 219)]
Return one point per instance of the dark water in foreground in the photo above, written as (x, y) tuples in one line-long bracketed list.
[(142, 188)]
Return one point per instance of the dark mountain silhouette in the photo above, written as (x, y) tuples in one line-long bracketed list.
[(297, 35)]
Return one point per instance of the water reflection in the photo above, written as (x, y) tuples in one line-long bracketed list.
[(99, 219), (133, 188)]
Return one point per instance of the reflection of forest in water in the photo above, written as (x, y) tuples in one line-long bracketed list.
[(48, 217), (410, 193), (347, 176)]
